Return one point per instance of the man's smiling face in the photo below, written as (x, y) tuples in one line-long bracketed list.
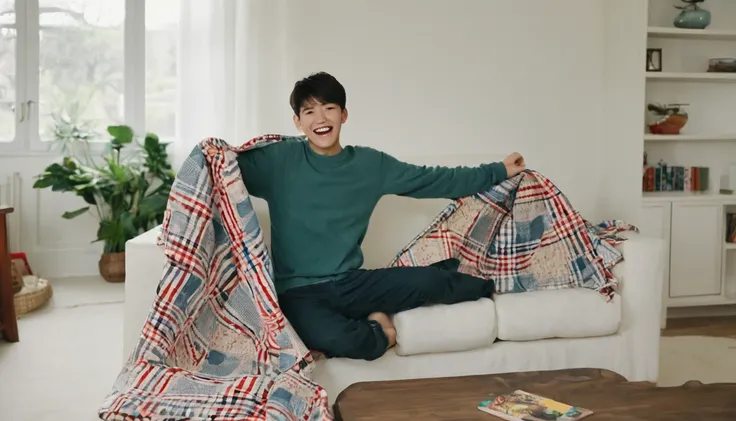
[(321, 123)]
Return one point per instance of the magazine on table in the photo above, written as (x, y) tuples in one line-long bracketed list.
[(524, 406)]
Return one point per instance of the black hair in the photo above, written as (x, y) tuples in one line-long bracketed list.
[(321, 87)]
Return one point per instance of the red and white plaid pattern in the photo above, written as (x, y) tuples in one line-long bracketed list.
[(524, 234), (216, 345)]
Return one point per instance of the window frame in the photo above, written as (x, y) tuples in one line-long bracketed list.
[(27, 138), (20, 135)]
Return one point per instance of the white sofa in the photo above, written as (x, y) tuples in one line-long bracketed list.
[(536, 331)]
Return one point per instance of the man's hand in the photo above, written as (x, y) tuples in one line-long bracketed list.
[(514, 164)]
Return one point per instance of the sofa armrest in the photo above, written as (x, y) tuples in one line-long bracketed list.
[(144, 265), (641, 276)]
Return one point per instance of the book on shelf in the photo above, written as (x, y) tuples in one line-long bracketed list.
[(675, 178), (524, 406)]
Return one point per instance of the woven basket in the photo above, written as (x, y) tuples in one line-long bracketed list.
[(112, 267), (35, 293)]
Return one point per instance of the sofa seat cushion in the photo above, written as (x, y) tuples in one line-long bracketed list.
[(446, 328), (567, 313)]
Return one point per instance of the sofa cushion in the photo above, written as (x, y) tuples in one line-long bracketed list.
[(568, 313), (446, 328)]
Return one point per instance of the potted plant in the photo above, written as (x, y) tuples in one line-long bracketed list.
[(126, 189), (691, 16), (666, 118)]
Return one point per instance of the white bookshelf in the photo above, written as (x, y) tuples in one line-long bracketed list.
[(687, 197), (700, 264), (727, 137), (709, 137), (694, 34), (692, 77)]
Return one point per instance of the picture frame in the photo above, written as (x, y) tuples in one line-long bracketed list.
[(654, 59)]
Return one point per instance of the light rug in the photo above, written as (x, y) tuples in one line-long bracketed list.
[(702, 358)]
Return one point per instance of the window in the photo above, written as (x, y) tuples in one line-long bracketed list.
[(80, 63), (8, 48), (162, 34), (86, 64)]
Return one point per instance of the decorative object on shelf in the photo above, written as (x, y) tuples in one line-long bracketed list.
[(675, 178), (691, 16), (654, 59), (127, 191), (728, 181), (722, 65), (731, 227), (666, 118)]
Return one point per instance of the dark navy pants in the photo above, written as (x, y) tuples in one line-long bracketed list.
[(331, 317)]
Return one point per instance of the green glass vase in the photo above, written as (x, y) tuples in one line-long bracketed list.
[(693, 18)]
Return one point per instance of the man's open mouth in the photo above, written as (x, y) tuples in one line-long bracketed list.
[(323, 130)]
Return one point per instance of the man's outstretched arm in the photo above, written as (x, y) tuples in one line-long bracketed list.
[(421, 181), (258, 167)]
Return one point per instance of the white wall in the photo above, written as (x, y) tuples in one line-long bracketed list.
[(440, 82), (622, 148), (560, 82), (430, 78)]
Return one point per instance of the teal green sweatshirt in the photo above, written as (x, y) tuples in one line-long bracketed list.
[(320, 205)]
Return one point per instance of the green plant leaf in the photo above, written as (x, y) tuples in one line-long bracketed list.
[(153, 205), (74, 214), (121, 134), (43, 182), (151, 141)]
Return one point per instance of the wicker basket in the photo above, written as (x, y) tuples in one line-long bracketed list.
[(112, 267), (35, 293)]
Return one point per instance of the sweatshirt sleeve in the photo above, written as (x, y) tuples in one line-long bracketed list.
[(257, 167), (417, 181)]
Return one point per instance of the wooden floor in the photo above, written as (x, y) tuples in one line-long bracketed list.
[(722, 326)]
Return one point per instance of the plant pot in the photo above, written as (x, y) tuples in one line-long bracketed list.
[(112, 267), (671, 124), (666, 119)]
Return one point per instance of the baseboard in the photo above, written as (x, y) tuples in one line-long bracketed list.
[(62, 263), (703, 311)]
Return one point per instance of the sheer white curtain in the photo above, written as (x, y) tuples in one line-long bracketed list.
[(233, 71)]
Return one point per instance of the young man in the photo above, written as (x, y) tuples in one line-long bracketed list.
[(320, 197)]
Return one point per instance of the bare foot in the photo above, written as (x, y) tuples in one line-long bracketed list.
[(388, 326)]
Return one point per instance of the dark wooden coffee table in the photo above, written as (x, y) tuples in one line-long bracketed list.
[(607, 394)]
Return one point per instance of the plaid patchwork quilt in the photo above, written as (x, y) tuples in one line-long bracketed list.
[(525, 235), (216, 345)]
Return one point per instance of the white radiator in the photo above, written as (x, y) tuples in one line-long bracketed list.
[(10, 195)]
